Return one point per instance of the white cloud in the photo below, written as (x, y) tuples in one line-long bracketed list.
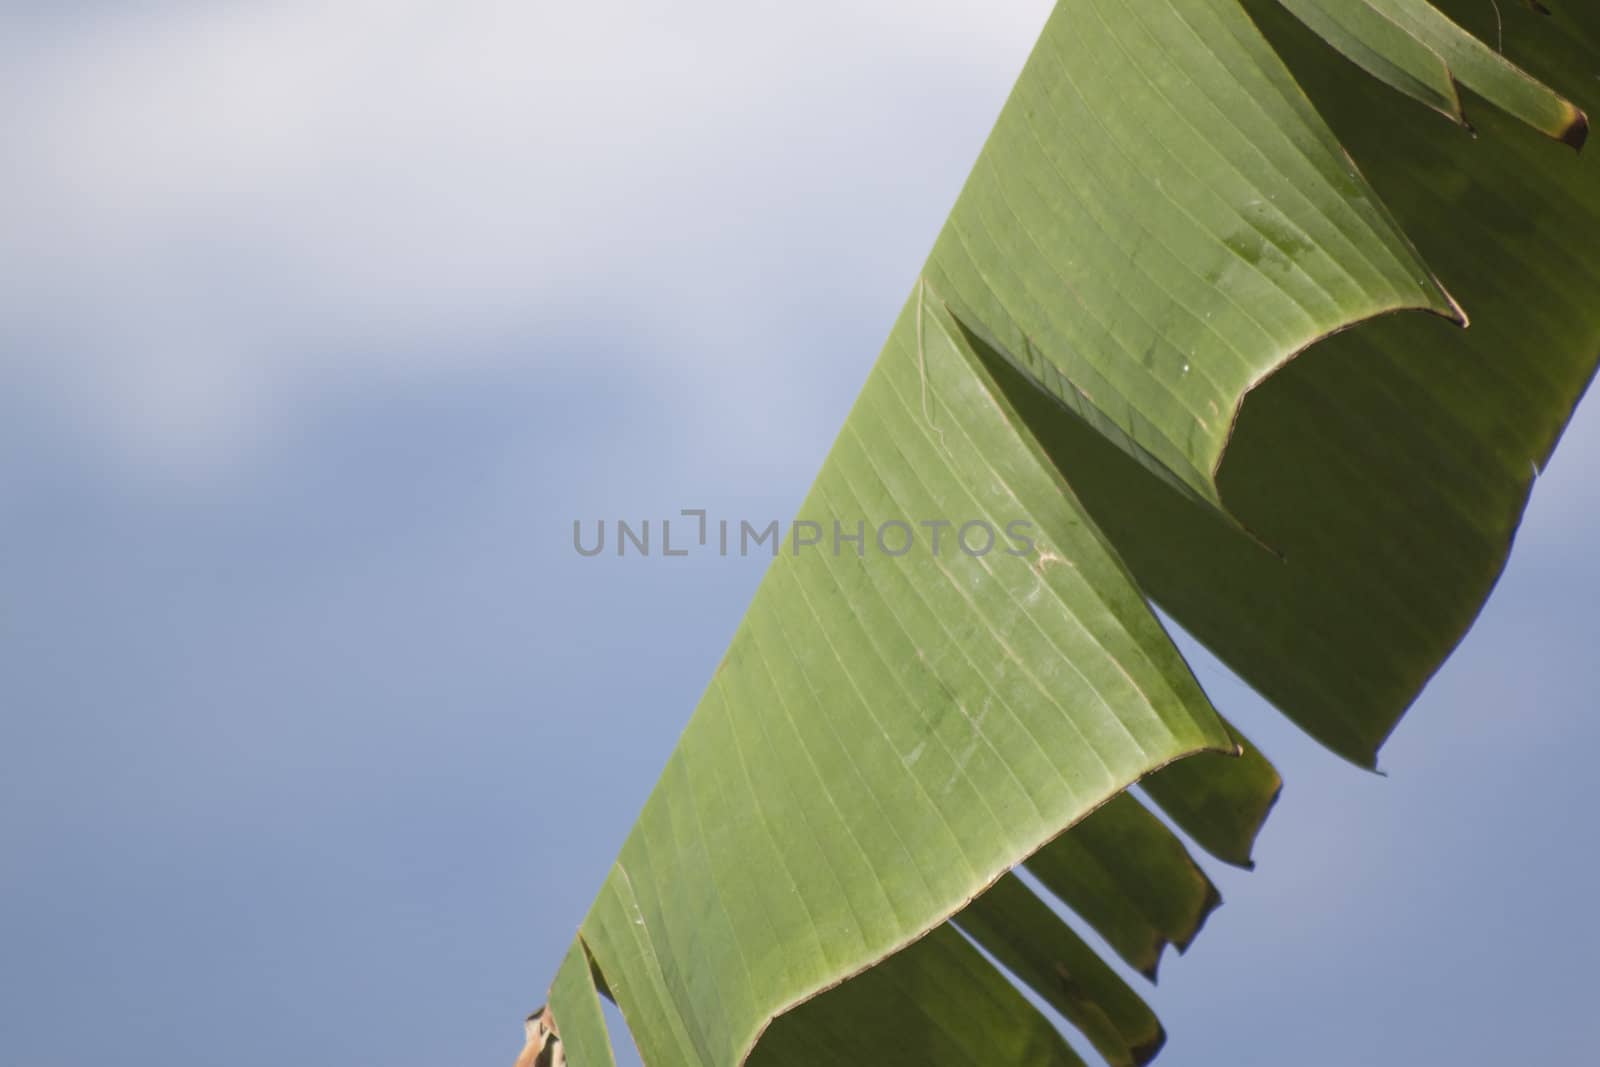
[(221, 206)]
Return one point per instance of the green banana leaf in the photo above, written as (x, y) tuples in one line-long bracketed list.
[(1099, 359)]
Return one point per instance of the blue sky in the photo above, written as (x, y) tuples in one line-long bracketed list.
[(320, 324)]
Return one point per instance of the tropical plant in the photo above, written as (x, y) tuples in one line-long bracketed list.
[(1168, 212)]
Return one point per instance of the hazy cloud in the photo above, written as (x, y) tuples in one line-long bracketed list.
[(220, 206)]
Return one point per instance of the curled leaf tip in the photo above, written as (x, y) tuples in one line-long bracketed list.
[(1143, 1054), (1577, 131)]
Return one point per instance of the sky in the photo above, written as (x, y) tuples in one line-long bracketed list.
[(321, 324)]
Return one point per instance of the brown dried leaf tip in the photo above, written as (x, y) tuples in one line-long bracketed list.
[(544, 1042)]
